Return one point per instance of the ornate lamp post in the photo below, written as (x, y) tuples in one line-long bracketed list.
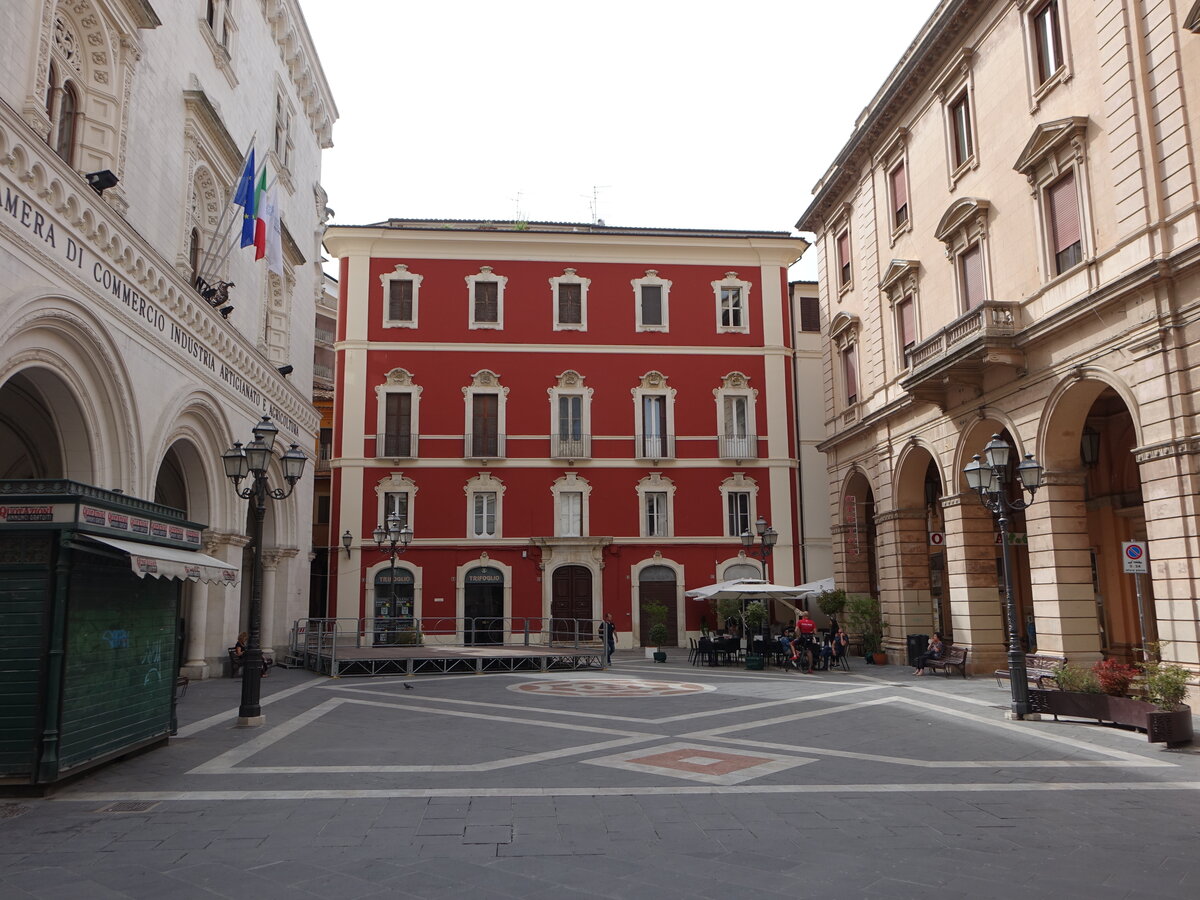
[(251, 462), (767, 537), (396, 539), (989, 478)]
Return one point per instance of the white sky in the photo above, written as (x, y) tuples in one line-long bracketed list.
[(696, 114)]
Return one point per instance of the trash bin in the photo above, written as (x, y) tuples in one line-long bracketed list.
[(917, 644)]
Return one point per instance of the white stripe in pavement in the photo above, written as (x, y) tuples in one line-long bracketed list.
[(231, 717), (608, 791)]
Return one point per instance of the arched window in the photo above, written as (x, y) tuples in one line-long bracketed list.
[(64, 141), (50, 92)]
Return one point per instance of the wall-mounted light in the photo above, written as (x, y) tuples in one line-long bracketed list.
[(1089, 446), (101, 181), (347, 540)]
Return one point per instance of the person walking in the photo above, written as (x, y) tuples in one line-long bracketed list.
[(608, 632)]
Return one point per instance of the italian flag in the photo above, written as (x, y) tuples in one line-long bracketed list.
[(260, 222)]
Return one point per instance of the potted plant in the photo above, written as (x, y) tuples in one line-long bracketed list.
[(1166, 686), (754, 615), (656, 614), (865, 618), (832, 603)]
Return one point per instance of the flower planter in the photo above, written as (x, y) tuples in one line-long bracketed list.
[(660, 656), (879, 658), (1172, 727)]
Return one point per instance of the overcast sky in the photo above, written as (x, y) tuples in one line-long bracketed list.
[(671, 113)]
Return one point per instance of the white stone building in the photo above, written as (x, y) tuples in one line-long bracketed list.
[(114, 371)]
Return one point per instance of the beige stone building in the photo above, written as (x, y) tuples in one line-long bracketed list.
[(1008, 245)]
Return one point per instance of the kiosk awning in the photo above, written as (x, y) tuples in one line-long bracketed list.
[(167, 562)]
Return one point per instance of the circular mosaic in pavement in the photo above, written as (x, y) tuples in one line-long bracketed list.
[(611, 687)]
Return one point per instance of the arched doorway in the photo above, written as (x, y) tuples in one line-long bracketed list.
[(393, 608), (860, 574), (571, 604), (656, 584), (483, 606), (43, 433), (915, 599)]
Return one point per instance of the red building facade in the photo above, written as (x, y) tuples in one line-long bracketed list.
[(572, 419)]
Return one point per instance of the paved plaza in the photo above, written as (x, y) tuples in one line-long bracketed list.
[(645, 780)]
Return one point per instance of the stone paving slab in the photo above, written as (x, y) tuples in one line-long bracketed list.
[(477, 785)]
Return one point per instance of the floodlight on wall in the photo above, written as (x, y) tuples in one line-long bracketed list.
[(285, 371), (101, 181)]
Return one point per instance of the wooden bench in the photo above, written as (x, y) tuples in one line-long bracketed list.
[(954, 658), (1039, 668)]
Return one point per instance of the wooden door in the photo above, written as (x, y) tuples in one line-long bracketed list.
[(663, 592), (571, 604)]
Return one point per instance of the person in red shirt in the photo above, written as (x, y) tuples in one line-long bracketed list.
[(806, 634)]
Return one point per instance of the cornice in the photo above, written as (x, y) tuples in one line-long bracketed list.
[(199, 106), (1185, 446), (304, 66)]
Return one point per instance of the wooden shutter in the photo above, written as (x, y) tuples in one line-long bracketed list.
[(400, 297), (899, 196), (908, 332), (652, 304), (485, 424), (843, 255), (961, 114), (397, 424), (971, 275), (487, 305), (570, 304), (810, 314)]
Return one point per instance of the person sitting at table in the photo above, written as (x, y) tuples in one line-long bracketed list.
[(934, 651), (840, 645), (785, 643)]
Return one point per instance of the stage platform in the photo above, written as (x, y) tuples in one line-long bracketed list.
[(435, 659)]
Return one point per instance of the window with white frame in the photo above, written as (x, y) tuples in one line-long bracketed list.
[(652, 302), (397, 415), (569, 293), (955, 88), (570, 417), (401, 289), (1055, 162), (964, 230), (736, 417), (218, 29), (395, 495), (486, 298), (485, 494), (899, 284), (654, 417), (282, 145), (737, 500), (733, 297), (571, 494), (485, 406), (656, 496), (1047, 49)]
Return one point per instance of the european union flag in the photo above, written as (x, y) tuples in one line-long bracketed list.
[(245, 199)]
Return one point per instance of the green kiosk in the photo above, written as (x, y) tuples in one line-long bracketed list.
[(90, 625)]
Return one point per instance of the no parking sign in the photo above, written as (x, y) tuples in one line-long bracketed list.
[(1133, 554)]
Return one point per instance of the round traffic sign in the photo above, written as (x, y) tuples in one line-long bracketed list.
[(1133, 551)]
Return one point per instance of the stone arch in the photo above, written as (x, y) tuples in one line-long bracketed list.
[(975, 435), (197, 426), (678, 605), (1066, 412)]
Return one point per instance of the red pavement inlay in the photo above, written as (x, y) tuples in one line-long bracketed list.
[(688, 760), (611, 687)]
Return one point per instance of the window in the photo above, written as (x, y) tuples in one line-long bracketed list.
[(322, 513), (194, 254), (898, 185), (569, 293), (483, 428), (1047, 39), (654, 417), (735, 417), (401, 289), (810, 314), (962, 143), (906, 331), (970, 277), (843, 259), (486, 298), (732, 297), (484, 515), (396, 495), (654, 426), (395, 503), (324, 448), (570, 417), (396, 416), (64, 135), (1062, 211), (656, 514), (652, 298), (282, 145), (485, 502), (737, 512), (850, 373), (571, 495)]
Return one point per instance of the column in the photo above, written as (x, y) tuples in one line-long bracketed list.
[(976, 601), (1060, 570), (270, 564), (207, 639), (907, 605)]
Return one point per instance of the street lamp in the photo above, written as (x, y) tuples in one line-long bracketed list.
[(397, 538), (251, 462), (988, 477), (767, 536)]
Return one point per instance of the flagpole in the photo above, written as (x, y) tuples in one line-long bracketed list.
[(221, 232), (229, 244)]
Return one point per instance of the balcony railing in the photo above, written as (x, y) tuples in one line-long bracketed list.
[(483, 445), (325, 337), (739, 446), (395, 446), (953, 360), (655, 446), (320, 371), (578, 447)]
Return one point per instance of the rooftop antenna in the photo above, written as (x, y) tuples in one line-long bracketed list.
[(595, 203), (517, 203)]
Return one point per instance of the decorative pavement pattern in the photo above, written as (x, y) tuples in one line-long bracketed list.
[(646, 780)]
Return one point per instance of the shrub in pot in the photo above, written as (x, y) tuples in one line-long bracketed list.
[(1114, 677), (864, 615)]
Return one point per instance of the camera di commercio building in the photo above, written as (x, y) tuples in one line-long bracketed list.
[(123, 129), (1009, 244), (572, 419)]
